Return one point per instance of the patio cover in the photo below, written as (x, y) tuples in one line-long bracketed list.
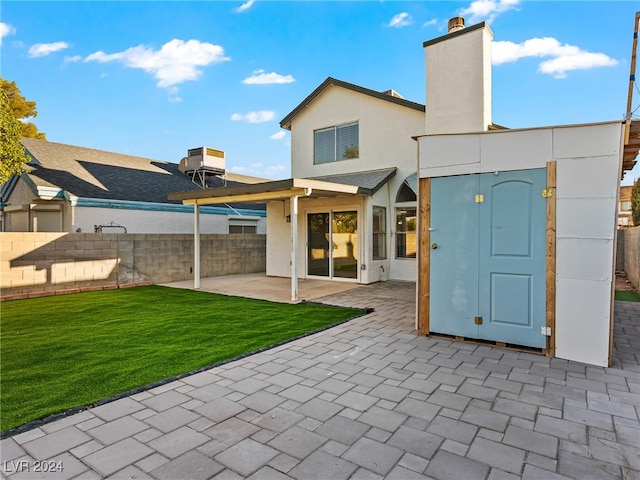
[(359, 183)]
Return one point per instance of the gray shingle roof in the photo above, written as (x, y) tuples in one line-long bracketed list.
[(369, 182), (90, 173)]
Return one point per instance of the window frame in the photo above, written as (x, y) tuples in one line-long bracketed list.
[(379, 236), (336, 141), (402, 235)]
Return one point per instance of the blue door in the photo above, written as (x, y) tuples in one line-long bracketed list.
[(488, 262)]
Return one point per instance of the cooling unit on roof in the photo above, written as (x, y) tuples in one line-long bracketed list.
[(205, 158)]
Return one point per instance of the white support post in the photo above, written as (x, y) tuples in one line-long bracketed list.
[(294, 248), (196, 246)]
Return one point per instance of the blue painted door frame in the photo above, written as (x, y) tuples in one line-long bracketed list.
[(488, 258)]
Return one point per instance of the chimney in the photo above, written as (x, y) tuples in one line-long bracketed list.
[(459, 79), (456, 23)]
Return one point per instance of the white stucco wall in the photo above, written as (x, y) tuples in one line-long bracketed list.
[(588, 173), (385, 131), (459, 81)]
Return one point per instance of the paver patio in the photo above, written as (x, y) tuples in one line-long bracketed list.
[(364, 400)]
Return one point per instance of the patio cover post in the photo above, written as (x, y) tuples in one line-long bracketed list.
[(294, 248), (196, 245)]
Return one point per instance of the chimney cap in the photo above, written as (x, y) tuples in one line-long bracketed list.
[(456, 23)]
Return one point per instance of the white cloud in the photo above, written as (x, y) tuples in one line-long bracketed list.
[(258, 169), (400, 20), (176, 99), (245, 6), (259, 77), (274, 169), (176, 62), (260, 116), (278, 135), (430, 22), (488, 10), (564, 57), (5, 30), (72, 59), (44, 49)]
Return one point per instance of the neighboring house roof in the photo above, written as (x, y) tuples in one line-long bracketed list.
[(60, 170), (388, 97)]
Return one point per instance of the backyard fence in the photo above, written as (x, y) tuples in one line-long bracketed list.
[(628, 254), (37, 264)]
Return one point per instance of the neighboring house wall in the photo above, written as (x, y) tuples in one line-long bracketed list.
[(154, 221), (625, 217), (24, 212), (35, 264)]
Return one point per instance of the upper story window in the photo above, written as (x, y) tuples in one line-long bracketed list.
[(336, 143), (625, 206)]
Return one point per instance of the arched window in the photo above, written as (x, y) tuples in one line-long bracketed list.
[(408, 190), (406, 238)]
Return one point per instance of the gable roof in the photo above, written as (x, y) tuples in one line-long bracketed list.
[(286, 121), (60, 169)]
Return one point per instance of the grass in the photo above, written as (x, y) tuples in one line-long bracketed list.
[(627, 296), (67, 351)]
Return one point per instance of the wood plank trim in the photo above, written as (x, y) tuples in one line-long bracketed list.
[(424, 255), (551, 257)]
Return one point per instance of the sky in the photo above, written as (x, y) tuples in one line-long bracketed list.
[(156, 78)]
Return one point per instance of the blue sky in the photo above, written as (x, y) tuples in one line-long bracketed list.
[(155, 78)]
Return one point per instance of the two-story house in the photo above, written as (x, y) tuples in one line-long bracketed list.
[(349, 211)]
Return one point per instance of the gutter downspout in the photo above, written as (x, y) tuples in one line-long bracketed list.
[(294, 244)]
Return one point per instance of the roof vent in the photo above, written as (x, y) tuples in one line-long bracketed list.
[(392, 93), (455, 24)]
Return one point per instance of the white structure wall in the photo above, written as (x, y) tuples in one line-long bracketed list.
[(589, 159)]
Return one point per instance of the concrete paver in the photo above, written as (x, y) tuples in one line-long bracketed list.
[(367, 399)]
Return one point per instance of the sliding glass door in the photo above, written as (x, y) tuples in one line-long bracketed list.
[(332, 244)]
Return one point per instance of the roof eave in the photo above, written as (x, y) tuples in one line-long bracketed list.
[(285, 123)]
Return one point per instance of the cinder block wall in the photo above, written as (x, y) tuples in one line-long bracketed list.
[(37, 264), (632, 254)]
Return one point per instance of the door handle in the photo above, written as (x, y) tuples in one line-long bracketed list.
[(434, 246)]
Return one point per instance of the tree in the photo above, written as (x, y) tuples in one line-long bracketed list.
[(22, 109), (635, 202), (12, 154)]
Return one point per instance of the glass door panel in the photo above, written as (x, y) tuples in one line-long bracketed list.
[(344, 242), (318, 249)]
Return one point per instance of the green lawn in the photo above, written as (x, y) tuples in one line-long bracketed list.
[(66, 351), (627, 296)]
